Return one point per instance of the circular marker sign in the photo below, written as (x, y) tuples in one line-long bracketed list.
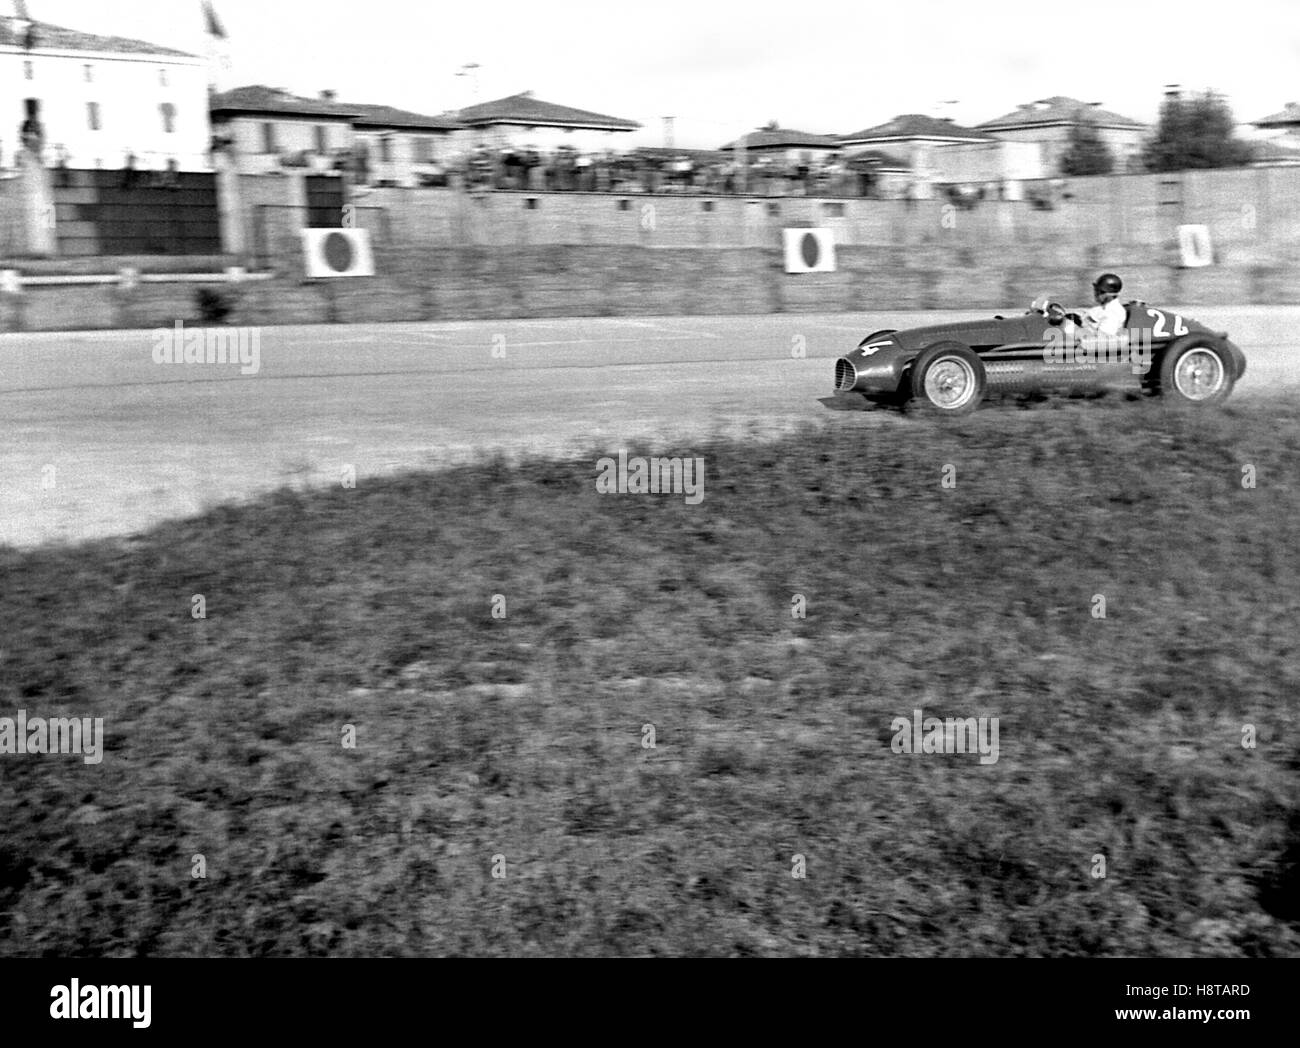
[(343, 253), (338, 252), (809, 250)]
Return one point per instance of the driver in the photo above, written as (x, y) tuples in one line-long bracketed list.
[(1105, 319)]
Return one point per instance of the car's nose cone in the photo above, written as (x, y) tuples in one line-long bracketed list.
[(846, 375)]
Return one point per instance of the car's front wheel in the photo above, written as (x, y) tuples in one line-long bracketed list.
[(1196, 370), (948, 379)]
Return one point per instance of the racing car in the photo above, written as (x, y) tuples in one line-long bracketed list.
[(949, 368)]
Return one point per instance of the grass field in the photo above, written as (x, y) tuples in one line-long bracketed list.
[(523, 742)]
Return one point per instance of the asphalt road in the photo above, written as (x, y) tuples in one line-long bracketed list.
[(98, 439)]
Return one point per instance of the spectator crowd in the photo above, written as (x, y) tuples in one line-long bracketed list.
[(654, 171)]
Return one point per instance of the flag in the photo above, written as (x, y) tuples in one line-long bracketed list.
[(213, 23)]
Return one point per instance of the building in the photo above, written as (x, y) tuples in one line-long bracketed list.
[(783, 146), (1000, 168), (917, 141), (1278, 140), (1048, 122), (268, 129), (525, 122), (402, 148), (884, 175), (100, 99)]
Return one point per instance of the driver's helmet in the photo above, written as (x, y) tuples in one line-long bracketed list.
[(1109, 283)]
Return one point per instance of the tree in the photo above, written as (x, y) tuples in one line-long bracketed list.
[(1194, 133), (1086, 153)]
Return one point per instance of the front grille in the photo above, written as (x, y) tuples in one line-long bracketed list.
[(846, 375)]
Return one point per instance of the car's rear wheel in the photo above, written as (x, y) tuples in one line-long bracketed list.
[(948, 379), (1196, 370)]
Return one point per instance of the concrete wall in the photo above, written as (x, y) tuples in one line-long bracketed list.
[(1253, 215), (551, 281), (443, 255)]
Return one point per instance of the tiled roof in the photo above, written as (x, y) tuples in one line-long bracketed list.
[(781, 138), (1289, 115), (533, 112), (272, 100), (870, 159), (387, 116), (56, 38), (1059, 109), (915, 125)]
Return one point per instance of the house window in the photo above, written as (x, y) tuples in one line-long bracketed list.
[(833, 209), (385, 148), (27, 71), (89, 73), (168, 117), (162, 77), (706, 205), (93, 120), (322, 139), (530, 203), (424, 150), (268, 138)]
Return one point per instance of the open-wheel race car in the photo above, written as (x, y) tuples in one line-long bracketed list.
[(949, 368)]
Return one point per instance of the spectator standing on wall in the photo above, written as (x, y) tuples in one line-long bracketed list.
[(683, 171), (128, 171), (361, 164), (63, 177), (729, 172)]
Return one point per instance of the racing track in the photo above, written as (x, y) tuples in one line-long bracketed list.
[(133, 443)]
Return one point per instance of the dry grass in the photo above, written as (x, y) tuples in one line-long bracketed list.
[(522, 736)]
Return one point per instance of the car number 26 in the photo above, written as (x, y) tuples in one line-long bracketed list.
[(1158, 329)]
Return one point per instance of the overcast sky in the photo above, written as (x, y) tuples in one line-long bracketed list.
[(722, 67)]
